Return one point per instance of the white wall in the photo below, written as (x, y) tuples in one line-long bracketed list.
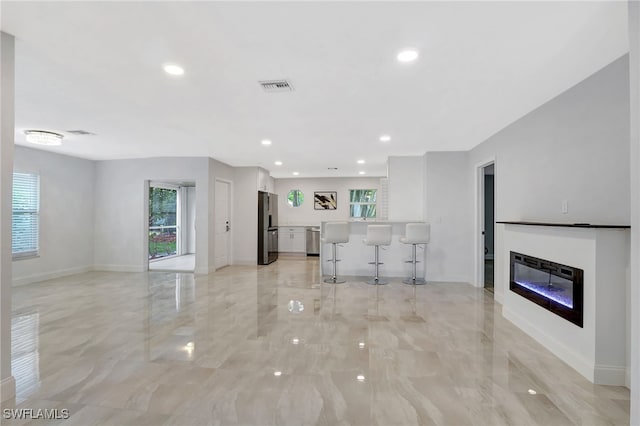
[(634, 299), (406, 192), (448, 210), (245, 213), (121, 209), (306, 215), (66, 215), (7, 122), (575, 148)]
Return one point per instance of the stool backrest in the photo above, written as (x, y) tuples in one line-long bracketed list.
[(379, 235), (418, 233), (336, 232)]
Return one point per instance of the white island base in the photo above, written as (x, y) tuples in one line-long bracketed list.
[(355, 256)]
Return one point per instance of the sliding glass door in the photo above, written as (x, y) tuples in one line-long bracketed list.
[(163, 218)]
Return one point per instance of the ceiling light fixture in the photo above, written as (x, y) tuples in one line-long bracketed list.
[(278, 163), (265, 142), (173, 69), (296, 173), (360, 161), (407, 55), (361, 172), (385, 138), (42, 137)]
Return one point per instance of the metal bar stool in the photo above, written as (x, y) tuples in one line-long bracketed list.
[(335, 233), (377, 235), (416, 233)]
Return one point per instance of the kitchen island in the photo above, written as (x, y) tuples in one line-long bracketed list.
[(355, 256)]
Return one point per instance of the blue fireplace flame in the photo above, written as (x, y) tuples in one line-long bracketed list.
[(555, 293)]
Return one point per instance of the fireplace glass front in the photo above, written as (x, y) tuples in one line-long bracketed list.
[(556, 287)]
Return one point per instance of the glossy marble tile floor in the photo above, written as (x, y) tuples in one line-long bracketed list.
[(275, 345)]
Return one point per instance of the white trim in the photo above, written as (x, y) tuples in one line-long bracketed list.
[(479, 222), (120, 268), (51, 275), (609, 375), (7, 388)]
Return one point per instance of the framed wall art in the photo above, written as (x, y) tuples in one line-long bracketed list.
[(325, 200)]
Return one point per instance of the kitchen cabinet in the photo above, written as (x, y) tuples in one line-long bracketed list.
[(292, 239), (265, 181)]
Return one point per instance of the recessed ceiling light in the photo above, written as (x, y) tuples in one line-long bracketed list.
[(361, 172), (277, 373), (42, 137), (407, 55), (360, 377), (173, 69), (385, 138), (278, 163), (296, 173), (360, 161), (265, 142)]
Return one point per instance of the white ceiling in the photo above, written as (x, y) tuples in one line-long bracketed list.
[(97, 66)]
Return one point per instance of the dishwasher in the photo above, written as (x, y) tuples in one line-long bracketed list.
[(313, 241)]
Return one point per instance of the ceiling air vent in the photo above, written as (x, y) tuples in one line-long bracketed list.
[(80, 132), (276, 85)]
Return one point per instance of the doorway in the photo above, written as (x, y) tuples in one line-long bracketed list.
[(488, 202), (222, 223), (171, 229)]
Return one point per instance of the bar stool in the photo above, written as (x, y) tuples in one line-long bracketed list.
[(416, 233), (377, 235), (335, 233)]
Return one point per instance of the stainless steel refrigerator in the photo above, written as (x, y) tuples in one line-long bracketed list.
[(267, 228)]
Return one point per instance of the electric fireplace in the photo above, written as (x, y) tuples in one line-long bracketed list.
[(557, 288)]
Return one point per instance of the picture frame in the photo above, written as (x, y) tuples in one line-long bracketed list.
[(325, 200)]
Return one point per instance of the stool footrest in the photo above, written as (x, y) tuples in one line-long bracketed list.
[(417, 281), (331, 260), (373, 263)]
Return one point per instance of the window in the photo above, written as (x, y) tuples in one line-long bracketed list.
[(362, 203), (25, 221)]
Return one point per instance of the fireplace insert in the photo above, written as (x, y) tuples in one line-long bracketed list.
[(557, 288)]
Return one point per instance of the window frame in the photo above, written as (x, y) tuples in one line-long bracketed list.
[(352, 203), (35, 252)]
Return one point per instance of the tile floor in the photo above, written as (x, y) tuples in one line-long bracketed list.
[(186, 262), (232, 348)]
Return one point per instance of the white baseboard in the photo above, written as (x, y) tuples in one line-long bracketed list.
[(50, 275), (119, 268), (7, 389), (609, 375), (627, 378), (575, 360)]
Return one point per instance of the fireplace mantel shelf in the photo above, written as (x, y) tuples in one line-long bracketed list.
[(566, 225)]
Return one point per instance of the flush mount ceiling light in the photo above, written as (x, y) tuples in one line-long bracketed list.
[(385, 138), (173, 69), (407, 55), (360, 161), (296, 173), (42, 137), (265, 142), (361, 172), (278, 163)]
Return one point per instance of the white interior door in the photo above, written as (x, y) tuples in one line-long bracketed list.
[(223, 223)]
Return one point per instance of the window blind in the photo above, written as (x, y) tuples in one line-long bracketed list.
[(26, 214)]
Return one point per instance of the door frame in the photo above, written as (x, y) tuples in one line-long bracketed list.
[(479, 222), (230, 210)]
